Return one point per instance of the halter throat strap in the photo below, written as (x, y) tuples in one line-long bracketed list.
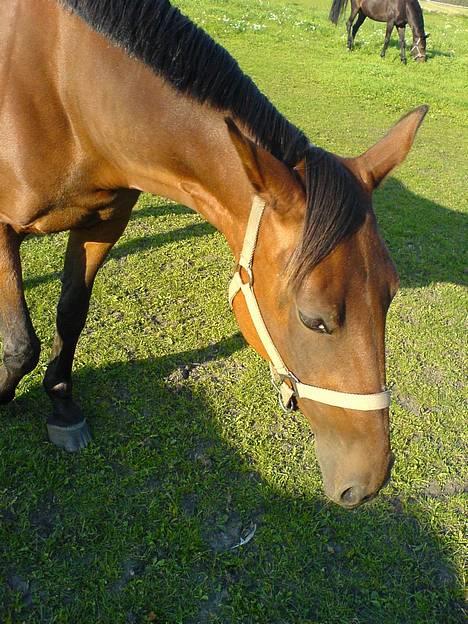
[(288, 385)]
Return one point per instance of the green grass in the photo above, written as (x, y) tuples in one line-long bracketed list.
[(139, 526)]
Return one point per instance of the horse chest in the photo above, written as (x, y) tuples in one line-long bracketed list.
[(71, 213)]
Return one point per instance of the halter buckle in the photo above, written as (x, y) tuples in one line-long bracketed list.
[(291, 404), (293, 380)]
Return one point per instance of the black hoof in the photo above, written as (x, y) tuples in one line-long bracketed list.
[(72, 438)]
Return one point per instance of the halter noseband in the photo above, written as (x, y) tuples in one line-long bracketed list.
[(288, 385), (416, 47)]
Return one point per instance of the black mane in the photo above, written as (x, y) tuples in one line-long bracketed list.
[(175, 48)]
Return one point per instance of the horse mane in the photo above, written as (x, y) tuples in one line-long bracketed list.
[(159, 35), (414, 9), (335, 209)]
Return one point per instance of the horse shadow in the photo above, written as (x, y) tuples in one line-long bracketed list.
[(125, 248), (434, 53), (149, 519), (427, 241)]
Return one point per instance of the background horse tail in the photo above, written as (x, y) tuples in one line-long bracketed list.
[(337, 8)]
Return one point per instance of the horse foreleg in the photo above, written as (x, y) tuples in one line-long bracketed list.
[(349, 23), (21, 346), (401, 34), (86, 251), (357, 26), (388, 34)]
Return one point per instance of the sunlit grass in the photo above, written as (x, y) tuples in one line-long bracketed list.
[(190, 450)]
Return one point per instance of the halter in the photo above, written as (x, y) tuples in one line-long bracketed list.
[(416, 47), (288, 385)]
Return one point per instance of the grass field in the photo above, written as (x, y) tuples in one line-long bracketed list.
[(190, 452)]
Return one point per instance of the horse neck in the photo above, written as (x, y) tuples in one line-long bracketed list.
[(188, 158), (415, 20), (154, 138)]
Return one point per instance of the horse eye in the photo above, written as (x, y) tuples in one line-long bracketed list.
[(315, 324)]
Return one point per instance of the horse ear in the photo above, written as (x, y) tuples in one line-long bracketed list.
[(271, 178), (375, 164), (427, 36), (249, 154)]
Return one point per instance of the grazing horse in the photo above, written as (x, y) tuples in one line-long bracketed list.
[(396, 13), (102, 100)]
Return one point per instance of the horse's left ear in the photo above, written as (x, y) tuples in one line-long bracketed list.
[(427, 36), (375, 164)]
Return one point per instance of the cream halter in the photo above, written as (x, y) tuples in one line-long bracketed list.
[(289, 387)]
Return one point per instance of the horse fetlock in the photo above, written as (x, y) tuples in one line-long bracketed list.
[(57, 390), (65, 412)]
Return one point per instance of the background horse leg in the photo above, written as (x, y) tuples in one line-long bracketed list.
[(401, 34), (349, 23), (388, 34), (21, 346), (86, 251), (357, 26)]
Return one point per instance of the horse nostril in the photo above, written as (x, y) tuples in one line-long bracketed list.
[(352, 496)]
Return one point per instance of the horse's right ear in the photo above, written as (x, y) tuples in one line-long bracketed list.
[(271, 178), (375, 164)]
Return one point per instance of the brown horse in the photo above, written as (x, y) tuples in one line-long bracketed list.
[(396, 13), (102, 100)]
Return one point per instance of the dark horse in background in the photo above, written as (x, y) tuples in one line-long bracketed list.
[(155, 105), (396, 13)]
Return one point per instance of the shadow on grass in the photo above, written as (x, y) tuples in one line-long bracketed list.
[(141, 525), (394, 46), (434, 53), (158, 211), (427, 241), (144, 242)]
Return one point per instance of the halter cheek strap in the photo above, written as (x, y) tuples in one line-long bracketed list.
[(288, 385)]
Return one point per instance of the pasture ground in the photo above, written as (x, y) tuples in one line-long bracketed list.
[(190, 452)]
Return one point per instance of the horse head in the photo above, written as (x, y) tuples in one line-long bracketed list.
[(323, 280), (418, 50)]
